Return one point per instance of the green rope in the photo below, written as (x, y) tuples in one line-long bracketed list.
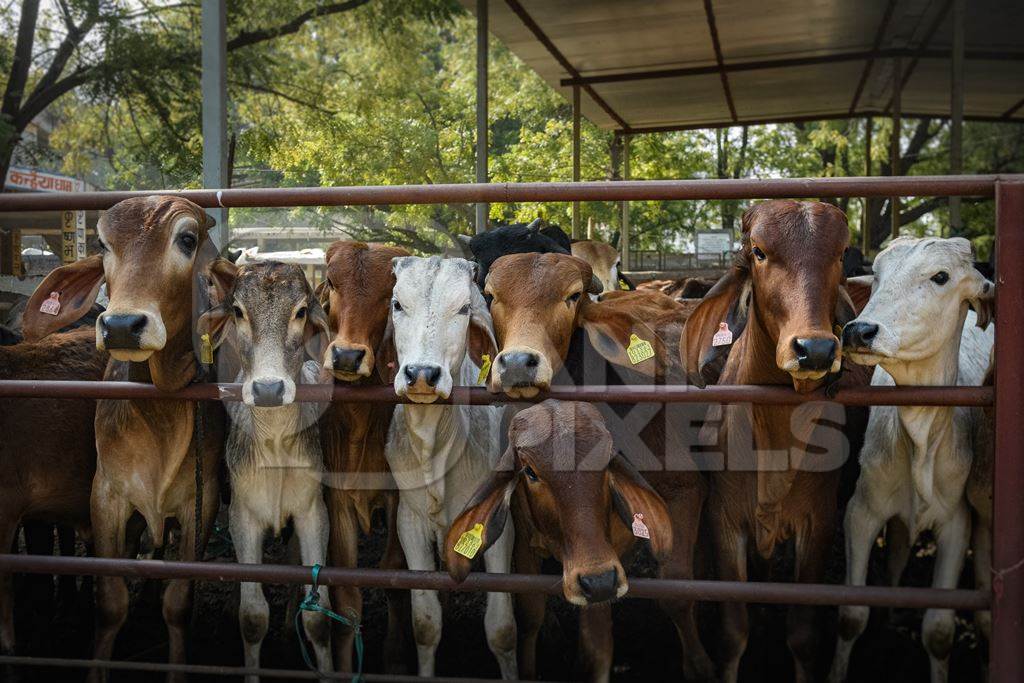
[(312, 604)]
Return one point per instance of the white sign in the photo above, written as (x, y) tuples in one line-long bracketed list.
[(711, 244), (29, 179), (72, 233)]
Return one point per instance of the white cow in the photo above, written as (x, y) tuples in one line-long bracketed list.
[(440, 454), (273, 452), (916, 460)]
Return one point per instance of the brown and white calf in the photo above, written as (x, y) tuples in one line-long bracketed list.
[(273, 320), (605, 262), (356, 295), (550, 332), (578, 501), (145, 453)]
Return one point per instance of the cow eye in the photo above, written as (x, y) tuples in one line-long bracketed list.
[(464, 310), (301, 313), (530, 474), (758, 254), (102, 246), (396, 306), (940, 278), (573, 298), (187, 242)]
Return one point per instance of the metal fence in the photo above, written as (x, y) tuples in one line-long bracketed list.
[(1007, 597)]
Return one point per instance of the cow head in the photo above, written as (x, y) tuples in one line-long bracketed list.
[(579, 495), (150, 259), (357, 297), (437, 315), (603, 259), (919, 299), (538, 301), (784, 289), (272, 318)]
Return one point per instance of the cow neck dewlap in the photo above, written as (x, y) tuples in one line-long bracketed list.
[(174, 366), (757, 354)]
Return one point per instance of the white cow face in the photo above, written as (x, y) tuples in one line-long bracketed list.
[(919, 299), (437, 314)]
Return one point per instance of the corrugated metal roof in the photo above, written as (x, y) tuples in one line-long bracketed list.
[(833, 41)]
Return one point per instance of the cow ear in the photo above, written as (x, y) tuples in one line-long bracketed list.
[(323, 295), (385, 356), (317, 331), (633, 496), (222, 276), (859, 290), (75, 286), (611, 325), (984, 302), (727, 302), (481, 329), (488, 508), (215, 322)]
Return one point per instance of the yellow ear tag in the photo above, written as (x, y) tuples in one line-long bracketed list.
[(639, 349), (470, 541), (205, 350), (623, 285), (837, 330), (485, 369)]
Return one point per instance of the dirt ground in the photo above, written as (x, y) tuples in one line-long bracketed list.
[(646, 647)]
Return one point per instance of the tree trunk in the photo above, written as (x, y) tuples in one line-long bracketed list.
[(17, 78)]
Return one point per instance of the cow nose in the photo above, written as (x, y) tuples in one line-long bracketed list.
[(267, 393), (122, 331), (815, 354), (518, 368), (599, 587), (429, 373), (347, 360), (858, 335)]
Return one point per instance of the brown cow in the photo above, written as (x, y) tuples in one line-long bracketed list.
[(576, 501), (145, 455), (782, 301), (357, 297), (604, 260), (48, 449), (549, 332)]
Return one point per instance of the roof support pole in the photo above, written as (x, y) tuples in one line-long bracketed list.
[(956, 113), (894, 142), (624, 210), (1006, 664), (482, 209), (865, 219), (575, 157), (213, 84)]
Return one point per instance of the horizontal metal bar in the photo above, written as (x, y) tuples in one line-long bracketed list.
[(471, 193), (217, 670), (711, 591), (311, 393)]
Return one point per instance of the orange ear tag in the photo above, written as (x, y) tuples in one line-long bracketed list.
[(52, 305), (640, 529), (723, 337), (470, 541)]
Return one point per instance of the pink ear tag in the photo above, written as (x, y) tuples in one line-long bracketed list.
[(723, 337), (640, 529), (52, 305)]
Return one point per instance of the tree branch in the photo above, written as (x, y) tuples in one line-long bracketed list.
[(246, 38), (22, 60), (67, 46)]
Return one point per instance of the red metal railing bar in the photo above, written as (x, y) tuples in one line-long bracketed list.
[(778, 395), (711, 591), (744, 188)]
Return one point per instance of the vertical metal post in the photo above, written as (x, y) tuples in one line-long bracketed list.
[(1007, 664), (213, 84), (894, 142), (575, 157), (482, 209), (956, 114), (624, 208), (865, 223)]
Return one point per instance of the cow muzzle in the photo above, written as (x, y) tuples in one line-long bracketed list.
[(521, 372), (422, 382), (268, 392), (595, 585), (809, 356), (350, 362), (868, 343), (130, 335)]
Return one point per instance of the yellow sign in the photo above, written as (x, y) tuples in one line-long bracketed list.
[(470, 541), (639, 349)]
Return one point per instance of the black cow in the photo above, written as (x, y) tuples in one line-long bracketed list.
[(515, 238)]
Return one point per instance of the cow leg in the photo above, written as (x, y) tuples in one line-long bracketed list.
[(530, 607), (343, 547), (939, 626), (110, 513), (596, 641), (897, 549), (253, 611), (499, 618), (685, 516), (8, 531), (731, 548), (861, 524), (982, 542), (812, 547), (39, 587), (399, 617), (312, 529), (418, 544)]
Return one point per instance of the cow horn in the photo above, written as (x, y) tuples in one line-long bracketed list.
[(535, 224), (596, 286), (464, 240)]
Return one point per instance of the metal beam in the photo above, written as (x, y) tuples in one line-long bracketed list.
[(624, 210), (956, 106), (213, 84), (879, 35), (865, 223), (709, 13), (916, 55), (481, 108), (894, 143), (576, 157), (528, 21), (1014, 109)]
